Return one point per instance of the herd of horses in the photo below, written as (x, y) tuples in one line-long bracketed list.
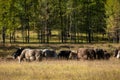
[(82, 53)]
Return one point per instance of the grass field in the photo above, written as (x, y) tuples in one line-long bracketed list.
[(61, 70)]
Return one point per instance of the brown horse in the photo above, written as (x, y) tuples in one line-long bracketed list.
[(31, 55), (86, 53)]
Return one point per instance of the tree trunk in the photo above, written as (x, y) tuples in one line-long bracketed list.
[(3, 34), (11, 37), (28, 32), (14, 38), (89, 36), (61, 22)]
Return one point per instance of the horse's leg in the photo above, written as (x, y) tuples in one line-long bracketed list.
[(38, 58), (19, 59), (118, 55)]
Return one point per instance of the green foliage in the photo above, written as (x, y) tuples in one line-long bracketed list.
[(73, 16), (113, 12)]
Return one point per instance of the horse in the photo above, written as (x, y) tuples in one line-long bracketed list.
[(17, 53), (30, 55), (64, 54), (86, 53), (47, 53)]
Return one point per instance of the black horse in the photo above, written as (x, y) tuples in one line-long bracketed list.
[(17, 53), (47, 53), (99, 53), (64, 54)]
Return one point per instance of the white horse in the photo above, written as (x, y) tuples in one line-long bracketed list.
[(31, 55)]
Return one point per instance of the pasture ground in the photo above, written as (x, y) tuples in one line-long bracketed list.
[(59, 69)]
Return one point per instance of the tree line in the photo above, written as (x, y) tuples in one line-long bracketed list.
[(74, 20)]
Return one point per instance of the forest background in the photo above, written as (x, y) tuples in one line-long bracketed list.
[(59, 21)]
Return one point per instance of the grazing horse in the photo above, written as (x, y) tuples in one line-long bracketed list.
[(65, 54), (99, 53), (17, 53), (31, 55), (82, 53), (86, 53), (49, 53)]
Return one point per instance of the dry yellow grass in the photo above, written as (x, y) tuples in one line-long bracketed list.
[(61, 70)]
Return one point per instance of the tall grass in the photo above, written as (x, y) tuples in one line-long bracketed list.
[(61, 70)]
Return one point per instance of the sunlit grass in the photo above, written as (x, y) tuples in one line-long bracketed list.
[(61, 70)]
